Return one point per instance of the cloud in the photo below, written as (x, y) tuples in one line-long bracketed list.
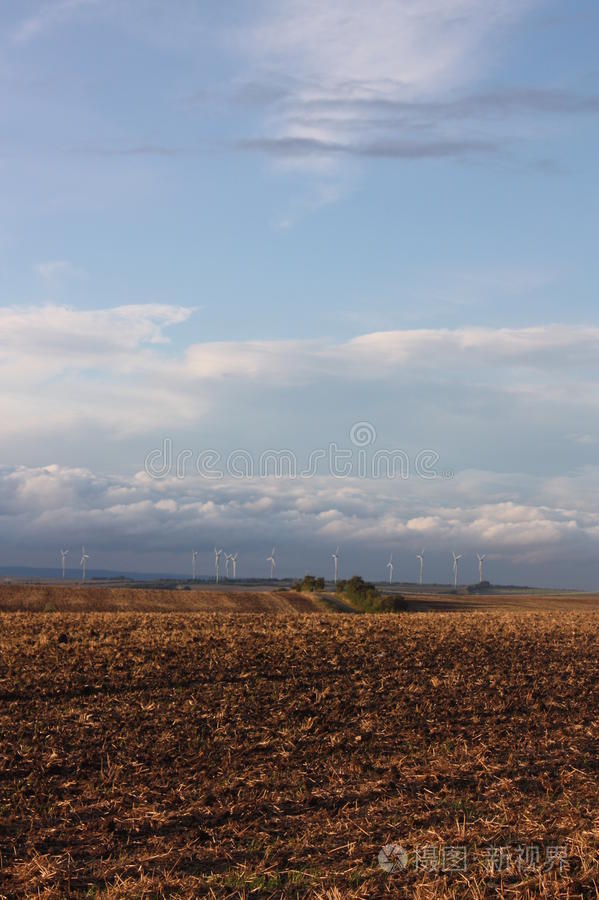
[(60, 328), (116, 368), (96, 376), (382, 149), (141, 150), (397, 112), (57, 269), (544, 345), (47, 17), (375, 355), (131, 519), (417, 45), (376, 80), (95, 367), (322, 196)]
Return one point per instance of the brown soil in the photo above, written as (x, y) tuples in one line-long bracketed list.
[(259, 755)]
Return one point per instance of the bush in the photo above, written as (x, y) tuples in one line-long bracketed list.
[(309, 584), (392, 603), (366, 597), (478, 588)]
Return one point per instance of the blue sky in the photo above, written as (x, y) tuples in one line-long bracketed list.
[(253, 225)]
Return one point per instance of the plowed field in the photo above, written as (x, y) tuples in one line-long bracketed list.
[(248, 755)]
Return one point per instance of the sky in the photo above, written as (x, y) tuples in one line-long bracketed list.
[(305, 275)]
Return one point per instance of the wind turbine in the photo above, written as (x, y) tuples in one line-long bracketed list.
[(217, 555), (228, 558), (194, 556), (83, 563), (234, 561), (335, 557), (456, 559), (271, 559), (480, 565), (420, 556), (390, 567), (63, 557)]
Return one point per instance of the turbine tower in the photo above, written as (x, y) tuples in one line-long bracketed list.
[(271, 559), (335, 557), (63, 559), (456, 559), (420, 556), (83, 563), (194, 556), (480, 566), (390, 567), (234, 561), (217, 555), (228, 558)]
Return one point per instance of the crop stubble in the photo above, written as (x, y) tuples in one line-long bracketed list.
[(261, 755)]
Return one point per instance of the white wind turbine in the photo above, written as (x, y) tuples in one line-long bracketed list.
[(271, 559), (228, 558), (194, 556), (480, 565), (335, 557), (420, 556), (63, 559), (234, 561), (456, 559), (390, 567), (217, 555), (83, 563)]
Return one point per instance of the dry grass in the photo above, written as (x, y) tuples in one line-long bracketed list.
[(89, 598), (257, 755)]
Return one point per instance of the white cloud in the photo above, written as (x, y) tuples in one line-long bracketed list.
[(64, 368), (341, 66), (115, 369), (56, 269), (80, 334), (139, 516), (414, 46), (544, 345)]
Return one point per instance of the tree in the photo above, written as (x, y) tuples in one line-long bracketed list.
[(366, 597)]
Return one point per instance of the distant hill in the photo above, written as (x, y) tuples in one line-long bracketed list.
[(74, 574)]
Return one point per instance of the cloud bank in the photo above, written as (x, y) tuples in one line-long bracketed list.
[(503, 407), (142, 523), (116, 368)]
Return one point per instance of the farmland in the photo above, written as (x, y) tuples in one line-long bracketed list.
[(79, 598), (52, 597), (259, 754)]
